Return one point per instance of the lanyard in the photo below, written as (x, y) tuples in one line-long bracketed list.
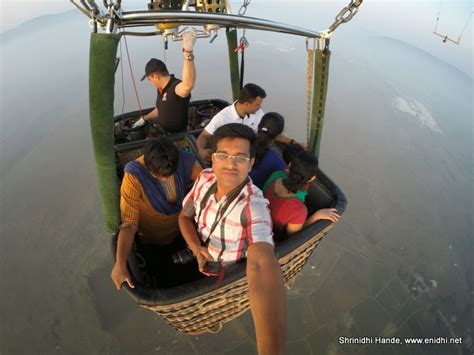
[(222, 209)]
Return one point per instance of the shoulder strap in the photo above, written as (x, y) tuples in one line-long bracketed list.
[(212, 189), (222, 210)]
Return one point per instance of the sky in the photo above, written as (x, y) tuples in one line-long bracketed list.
[(406, 20), (14, 13), (453, 17), (454, 14)]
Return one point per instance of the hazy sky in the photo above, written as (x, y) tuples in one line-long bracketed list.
[(406, 20), (454, 13), (13, 13)]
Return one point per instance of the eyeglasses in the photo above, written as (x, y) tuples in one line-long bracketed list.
[(238, 159)]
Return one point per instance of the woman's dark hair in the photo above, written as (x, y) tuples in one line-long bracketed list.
[(270, 127), (161, 157), (235, 130), (290, 151), (303, 167)]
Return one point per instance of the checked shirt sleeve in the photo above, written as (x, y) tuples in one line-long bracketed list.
[(259, 223)]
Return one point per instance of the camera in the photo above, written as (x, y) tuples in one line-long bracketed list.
[(182, 256), (212, 268)]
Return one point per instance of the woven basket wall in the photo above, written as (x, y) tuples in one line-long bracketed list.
[(209, 312)]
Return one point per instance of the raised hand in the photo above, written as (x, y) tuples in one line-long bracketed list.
[(189, 38)]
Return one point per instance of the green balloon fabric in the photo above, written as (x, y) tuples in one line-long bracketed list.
[(103, 50)]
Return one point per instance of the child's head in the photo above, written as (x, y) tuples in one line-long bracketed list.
[(302, 170)]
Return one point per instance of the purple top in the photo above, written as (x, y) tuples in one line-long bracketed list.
[(269, 163)]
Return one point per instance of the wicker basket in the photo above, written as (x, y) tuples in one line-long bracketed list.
[(204, 306), (210, 311)]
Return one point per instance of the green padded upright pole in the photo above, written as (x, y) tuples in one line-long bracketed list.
[(103, 50), (320, 87), (231, 35)]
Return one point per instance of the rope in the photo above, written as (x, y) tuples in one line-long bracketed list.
[(133, 77), (309, 89), (121, 74), (242, 66)]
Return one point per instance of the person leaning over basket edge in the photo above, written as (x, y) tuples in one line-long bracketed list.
[(233, 222), (173, 96), (151, 194)]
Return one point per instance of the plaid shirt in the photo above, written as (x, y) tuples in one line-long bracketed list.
[(229, 238)]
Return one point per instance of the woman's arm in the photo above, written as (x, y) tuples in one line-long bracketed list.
[(330, 214), (293, 228), (325, 213)]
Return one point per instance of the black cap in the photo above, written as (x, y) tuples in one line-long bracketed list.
[(154, 66)]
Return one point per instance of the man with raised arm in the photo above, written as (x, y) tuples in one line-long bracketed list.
[(246, 110), (225, 218), (173, 95)]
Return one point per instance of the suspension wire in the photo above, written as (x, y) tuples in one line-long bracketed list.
[(165, 49), (133, 77), (85, 12), (437, 16), (243, 43), (242, 67), (121, 73), (465, 26), (309, 85)]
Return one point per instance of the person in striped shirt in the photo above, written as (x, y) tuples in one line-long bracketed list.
[(226, 218)]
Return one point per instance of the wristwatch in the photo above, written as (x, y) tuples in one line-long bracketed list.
[(189, 57)]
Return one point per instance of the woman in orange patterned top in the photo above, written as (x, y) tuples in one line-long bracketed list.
[(151, 195)]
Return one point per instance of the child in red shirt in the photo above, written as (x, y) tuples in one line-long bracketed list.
[(286, 194)]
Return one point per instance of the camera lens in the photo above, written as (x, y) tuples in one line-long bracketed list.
[(183, 256)]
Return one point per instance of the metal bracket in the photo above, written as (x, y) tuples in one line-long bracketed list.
[(111, 26), (320, 43)]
